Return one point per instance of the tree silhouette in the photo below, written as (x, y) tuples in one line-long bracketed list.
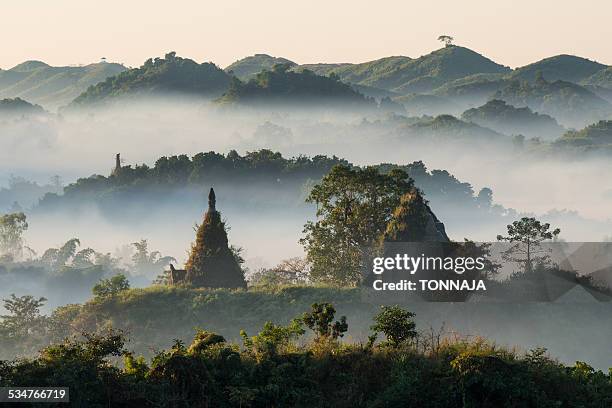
[(527, 235), (446, 39)]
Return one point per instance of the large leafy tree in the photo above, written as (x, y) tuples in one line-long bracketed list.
[(354, 206), (12, 227), (526, 236)]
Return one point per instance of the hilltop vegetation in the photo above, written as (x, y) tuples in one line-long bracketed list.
[(507, 119), (596, 135), (564, 67), (18, 107), (52, 87), (169, 75), (247, 68), (280, 86), (404, 75)]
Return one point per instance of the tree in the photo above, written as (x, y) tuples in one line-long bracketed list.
[(12, 227), (146, 263), (58, 257), (526, 235), (290, 271), (320, 319), (111, 286), (24, 318), (446, 39), (396, 324), (354, 207)]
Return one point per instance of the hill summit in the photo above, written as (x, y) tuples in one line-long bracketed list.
[(171, 74)]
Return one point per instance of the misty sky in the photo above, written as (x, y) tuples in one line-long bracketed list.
[(514, 33)]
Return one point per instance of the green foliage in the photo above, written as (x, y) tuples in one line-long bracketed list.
[(596, 135), (405, 75), (281, 86), (571, 104), (560, 67), (248, 67), (396, 324), (273, 338), (211, 372), (354, 206), (320, 319), (170, 74), (504, 118), (18, 106), (111, 286)]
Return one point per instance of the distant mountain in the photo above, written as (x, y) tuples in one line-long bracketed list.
[(405, 75), (571, 104), (282, 86), (168, 75), (507, 119), (18, 107), (448, 126), (52, 87), (248, 67), (561, 67)]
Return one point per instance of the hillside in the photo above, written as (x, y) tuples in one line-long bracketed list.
[(601, 78), (247, 68), (18, 107), (596, 135), (282, 86), (507, 119), (176, 344), (568, 68), (472, 90), (572, 105), (168, 75), (52, 87), (448, 127), (405, 75)]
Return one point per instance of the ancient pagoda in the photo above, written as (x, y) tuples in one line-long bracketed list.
[(212, 262)]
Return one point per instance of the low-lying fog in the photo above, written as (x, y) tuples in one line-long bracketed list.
[(81, 144)]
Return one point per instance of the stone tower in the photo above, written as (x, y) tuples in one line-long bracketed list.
[(117, 168)]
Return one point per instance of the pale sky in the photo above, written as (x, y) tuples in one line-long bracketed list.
[(514, 33)]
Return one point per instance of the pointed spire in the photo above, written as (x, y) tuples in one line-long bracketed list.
[(212, 201)]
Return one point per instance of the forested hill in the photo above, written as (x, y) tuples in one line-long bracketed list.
[(282, 86), (170, 74), (507, 119), (264, 177), (19, 107), (423, 74), (247, 68), (560, 67)]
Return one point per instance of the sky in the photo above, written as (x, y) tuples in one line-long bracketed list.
[(513, 33)]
